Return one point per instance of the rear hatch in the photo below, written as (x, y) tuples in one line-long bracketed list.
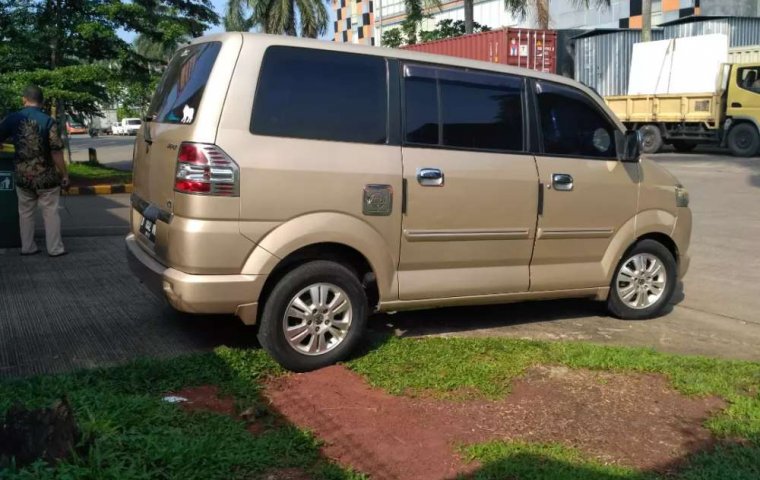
[(185, 108)]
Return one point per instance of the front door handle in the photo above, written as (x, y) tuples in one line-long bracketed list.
[(430, 177), (562, 182), (736, 105)]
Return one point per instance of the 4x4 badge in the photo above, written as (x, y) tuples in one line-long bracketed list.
[(378, 200)]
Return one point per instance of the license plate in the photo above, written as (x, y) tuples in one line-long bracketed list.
[(148, 229)]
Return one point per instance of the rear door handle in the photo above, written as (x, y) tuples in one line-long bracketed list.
[(562, 182), (736, 105), (430, 177)]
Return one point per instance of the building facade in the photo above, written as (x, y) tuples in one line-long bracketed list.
[(364, 21), (354, 21)]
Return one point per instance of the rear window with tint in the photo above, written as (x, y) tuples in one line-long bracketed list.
[(321, 95), (181, 88)]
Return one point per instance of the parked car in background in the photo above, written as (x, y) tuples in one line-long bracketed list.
[(74, 127), (390, 180), (128, 126)]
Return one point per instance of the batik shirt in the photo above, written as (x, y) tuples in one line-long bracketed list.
[(35, 136)]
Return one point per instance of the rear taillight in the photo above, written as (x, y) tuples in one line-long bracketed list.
[(206, 170)]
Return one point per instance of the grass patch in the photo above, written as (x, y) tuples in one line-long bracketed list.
[(138, 436), (89, 172), (446, 367), (529, 461)]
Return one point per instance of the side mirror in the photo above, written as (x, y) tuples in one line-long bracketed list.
[(628, 145)]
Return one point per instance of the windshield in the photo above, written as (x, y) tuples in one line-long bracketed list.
[(133, 122), (180, 91)]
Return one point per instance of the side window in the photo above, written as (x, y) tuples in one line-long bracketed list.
[(571, 124), (748, 78), (454, 108), (321, 95)]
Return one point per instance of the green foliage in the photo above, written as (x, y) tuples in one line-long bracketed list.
[(71, 39), (307, 18), (392, 38), (416, 12), (136, 435), (449, 28), (89, 171)]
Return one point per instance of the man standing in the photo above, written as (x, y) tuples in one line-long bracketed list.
[(40, 170)]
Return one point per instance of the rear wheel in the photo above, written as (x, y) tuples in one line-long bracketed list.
[(683, 146), (743, 140), (314, 316), (643, 282), (651, 139)]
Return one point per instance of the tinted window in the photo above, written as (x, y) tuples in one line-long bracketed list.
[(463, 109), (421, 110), (181, 88), (482, 112), (571, 124), (322, 95)]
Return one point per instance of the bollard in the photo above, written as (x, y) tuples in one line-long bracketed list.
[(93, 155)]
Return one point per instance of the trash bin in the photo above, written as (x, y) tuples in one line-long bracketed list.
[(9, 229)]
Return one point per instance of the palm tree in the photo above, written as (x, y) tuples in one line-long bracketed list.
[(415, 13), (520, 9), (307, 18)]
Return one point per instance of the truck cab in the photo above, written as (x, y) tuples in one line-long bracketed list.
[(741, 126)]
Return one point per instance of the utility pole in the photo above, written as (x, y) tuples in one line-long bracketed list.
[(469, 6), (646, 20)]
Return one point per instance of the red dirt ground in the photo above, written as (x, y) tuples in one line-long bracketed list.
[(634, 420)]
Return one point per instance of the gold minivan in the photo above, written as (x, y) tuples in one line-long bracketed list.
[(303, 185)]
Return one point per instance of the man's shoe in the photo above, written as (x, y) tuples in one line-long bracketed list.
[(58, 254), (28, 254)]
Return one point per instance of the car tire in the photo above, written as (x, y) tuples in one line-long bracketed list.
[(651, 139), (311, 315), (683, 146), (743, 140), (643, 282)]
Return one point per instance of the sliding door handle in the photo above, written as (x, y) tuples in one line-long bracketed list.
[(430, 177), (562, 182)]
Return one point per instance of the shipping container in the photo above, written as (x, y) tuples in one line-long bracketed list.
[(746, 54), (741, 31), (603, 58), (519, 47)]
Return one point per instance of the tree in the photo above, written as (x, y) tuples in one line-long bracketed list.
[(448, 28), (392, 38), (307, 18), (415, 13)]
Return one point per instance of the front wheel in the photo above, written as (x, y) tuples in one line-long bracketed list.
[(314, 316), (643, 282), (743, 140)]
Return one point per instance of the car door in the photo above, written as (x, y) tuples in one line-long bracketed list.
[(470, 210), (744, 96), (588, 195)]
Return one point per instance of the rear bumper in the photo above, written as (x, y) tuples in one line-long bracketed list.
[(236, 294)]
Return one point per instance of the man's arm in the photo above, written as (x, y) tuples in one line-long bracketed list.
[(56, 152)]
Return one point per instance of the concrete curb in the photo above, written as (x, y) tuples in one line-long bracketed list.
[(100, 189)]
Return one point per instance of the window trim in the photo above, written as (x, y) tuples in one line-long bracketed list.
[(388, 105), (433, 69), (536, 112)]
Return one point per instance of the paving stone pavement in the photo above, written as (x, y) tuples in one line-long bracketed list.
[(86, 309)]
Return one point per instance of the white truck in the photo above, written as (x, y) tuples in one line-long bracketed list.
[(127, 126)]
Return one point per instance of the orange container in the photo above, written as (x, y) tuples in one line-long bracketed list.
[(519, 47)]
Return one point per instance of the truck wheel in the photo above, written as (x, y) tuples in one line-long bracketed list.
[(683, 146), (743, 140), (651, 139), (314, 316), (643, 282)]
